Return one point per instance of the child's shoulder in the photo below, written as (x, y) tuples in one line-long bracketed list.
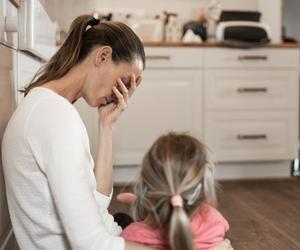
[(142, 233), (209, 216)]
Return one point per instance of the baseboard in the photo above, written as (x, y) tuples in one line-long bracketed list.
[(224, 171)]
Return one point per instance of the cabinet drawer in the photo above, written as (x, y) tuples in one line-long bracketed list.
[(255, 58), (173, 57), (249, 89), (252, 136)]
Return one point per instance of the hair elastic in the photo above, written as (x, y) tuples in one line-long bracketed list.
[(94, 21), (177, 201)]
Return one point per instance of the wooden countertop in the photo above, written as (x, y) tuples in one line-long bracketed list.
[(205, 44), (213, 44)]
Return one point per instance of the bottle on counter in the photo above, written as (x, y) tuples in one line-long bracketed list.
[(214, 12), (173, 30)]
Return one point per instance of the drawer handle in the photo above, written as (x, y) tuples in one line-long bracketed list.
[(158, 57), (252, 137), (255, 58), (247, 90)]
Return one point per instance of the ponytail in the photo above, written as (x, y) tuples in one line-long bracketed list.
[(80, 41), (66, 57), (180, 234)]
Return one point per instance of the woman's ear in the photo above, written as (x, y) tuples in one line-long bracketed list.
[(103, 54)]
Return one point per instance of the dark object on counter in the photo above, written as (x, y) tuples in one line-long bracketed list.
[(253, 16), (246, 34), (244, 45), (197, 27)]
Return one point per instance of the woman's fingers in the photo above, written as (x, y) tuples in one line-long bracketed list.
[(138, 80), (121, 102), (123, 89), (133, 84)]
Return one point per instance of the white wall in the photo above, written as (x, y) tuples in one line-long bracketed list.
[(272, 15), (65, 11)]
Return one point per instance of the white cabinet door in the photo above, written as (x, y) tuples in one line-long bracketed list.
[(261, 58), (167, 100), (174, 57), (252, 136), (251, 89)]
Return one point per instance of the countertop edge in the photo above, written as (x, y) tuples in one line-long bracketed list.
[(206, 44)]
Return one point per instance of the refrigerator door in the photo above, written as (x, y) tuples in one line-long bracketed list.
[(36, 30), (7, 103), (7, 11), (26, 70)]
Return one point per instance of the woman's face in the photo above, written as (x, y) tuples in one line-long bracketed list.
[(103, 75)]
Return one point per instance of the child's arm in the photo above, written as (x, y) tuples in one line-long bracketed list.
[(224, 245), (103, 166)]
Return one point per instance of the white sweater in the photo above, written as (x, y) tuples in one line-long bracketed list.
[(50, 184)]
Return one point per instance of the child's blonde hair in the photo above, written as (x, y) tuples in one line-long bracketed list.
[(176, 164)]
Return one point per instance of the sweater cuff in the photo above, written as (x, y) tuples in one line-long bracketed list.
[(102, 199), (119, 244)]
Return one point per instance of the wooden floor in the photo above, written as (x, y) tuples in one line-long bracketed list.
[(263, 214)]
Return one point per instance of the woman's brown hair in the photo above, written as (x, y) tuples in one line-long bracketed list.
[(86, 33), (176, 164)]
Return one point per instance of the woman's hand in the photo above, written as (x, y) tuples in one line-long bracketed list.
[(111, 112), (224, 245)]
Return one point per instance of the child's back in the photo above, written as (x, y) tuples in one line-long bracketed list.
[(208, 227), (174, 191)]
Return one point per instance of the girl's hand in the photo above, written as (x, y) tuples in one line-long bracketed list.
[(224, 245), (111, 112)]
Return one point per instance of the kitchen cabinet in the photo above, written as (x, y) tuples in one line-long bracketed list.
[(168, 100), (251, 104), (242, 103)]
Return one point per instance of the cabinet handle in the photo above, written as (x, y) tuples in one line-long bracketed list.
[(253, 58), (252, 137), (158, 58), (247, 90)]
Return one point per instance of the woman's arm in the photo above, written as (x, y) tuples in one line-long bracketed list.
[(108, 115), (59, 143), (103, 165)]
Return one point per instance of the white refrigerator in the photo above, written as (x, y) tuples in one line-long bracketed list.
[(27, 40)]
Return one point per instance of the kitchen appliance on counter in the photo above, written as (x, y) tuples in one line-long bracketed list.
[(242, 29), (27, 39), (245, 31)]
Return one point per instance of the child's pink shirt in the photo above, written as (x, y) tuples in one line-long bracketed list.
[(209, 228)]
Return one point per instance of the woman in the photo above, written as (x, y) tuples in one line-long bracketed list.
[(57, 196)]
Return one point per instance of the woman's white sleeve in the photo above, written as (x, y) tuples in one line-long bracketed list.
[(103, 203), (56, 138)]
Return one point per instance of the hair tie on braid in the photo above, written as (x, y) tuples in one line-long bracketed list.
[(177, 201)]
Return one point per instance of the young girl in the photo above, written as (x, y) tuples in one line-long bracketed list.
[(174, 190)]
